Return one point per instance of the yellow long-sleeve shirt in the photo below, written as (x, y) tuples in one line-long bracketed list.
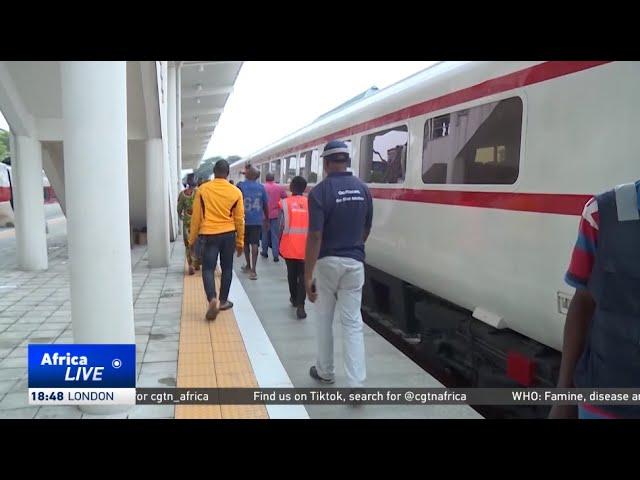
[(223, 211)]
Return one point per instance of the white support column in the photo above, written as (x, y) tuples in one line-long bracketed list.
[(172, 127), (157, 204), (172, 137), (94, 109), (31, 236), (179, 122), (94, 106)]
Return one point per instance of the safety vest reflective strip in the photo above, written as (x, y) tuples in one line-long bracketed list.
[(285, 213)]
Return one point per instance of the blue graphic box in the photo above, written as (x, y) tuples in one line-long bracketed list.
[(82, 366)]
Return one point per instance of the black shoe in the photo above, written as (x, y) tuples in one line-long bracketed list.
[(314, 374), (264, 255), (225, 305), (300, 313), (276, 260)]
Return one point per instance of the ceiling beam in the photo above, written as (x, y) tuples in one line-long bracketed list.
[(205, 63), (204, 111), (151, 95), (15, 112), (200, 91), (205, 127)]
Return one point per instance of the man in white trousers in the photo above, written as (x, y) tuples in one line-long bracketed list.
[(340, 216)]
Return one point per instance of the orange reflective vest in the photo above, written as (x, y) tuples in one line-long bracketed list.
[(296, 224)]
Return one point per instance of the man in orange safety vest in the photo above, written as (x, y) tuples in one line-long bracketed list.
[(294, 223)]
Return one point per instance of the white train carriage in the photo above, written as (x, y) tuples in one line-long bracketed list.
[(479, 172), (6, 209), (7, 217)]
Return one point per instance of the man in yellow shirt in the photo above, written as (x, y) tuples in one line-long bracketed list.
[(218, 224)]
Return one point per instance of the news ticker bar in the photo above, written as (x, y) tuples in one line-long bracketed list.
[(385, 396)]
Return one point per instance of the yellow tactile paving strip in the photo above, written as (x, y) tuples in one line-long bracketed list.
[(212, 354)]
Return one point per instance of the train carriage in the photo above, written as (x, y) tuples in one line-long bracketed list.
[(6, 195), (479, 173)]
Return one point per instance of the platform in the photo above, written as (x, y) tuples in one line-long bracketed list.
[(260, 343), (294, 342)]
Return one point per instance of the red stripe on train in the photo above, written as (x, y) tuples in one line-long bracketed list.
[(556, 203), (5, 194), (528, 76)]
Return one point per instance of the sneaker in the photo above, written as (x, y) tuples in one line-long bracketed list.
[(300, 313), (314, 374), (212, 312), (226, 305)]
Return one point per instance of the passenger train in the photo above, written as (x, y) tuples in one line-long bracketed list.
[(6, 195), (479, 173)]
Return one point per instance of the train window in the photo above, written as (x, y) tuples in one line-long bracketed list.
[(276, 169), (292, 167), (440, 127), (479, 145), (384, 155), (264, 169), (315, 169), (304, 163)]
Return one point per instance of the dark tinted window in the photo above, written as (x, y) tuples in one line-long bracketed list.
[(479, 145)]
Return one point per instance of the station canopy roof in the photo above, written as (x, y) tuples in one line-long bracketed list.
[(206, 86)]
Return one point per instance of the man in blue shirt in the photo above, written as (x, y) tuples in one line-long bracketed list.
[(256, 213), (340, 216)]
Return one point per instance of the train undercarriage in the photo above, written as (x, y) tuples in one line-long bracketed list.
[(453, 346)]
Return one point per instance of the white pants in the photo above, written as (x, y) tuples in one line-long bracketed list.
[(339, 282)]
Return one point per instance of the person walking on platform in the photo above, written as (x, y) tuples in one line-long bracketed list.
[(340, 217), (185, 210), (602, 331), (274, 193), (256, 214), (294, 223), (218, 224)]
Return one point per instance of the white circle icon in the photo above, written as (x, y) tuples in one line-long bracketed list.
[(117, 363)]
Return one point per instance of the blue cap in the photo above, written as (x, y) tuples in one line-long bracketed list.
[(333, 147)]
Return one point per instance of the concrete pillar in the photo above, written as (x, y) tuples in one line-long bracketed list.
[(179, 122), (157, 204), (94, 109), (31, 236), (94, 106), (172, 138), (53, 164), (172, 129)]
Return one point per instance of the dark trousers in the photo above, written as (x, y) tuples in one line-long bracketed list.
[(295, 276), (212, 245)]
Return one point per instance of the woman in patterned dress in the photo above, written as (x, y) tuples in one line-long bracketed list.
[(185, 209)]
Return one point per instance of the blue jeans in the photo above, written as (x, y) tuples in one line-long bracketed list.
[(223, 244), (274, 229)]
